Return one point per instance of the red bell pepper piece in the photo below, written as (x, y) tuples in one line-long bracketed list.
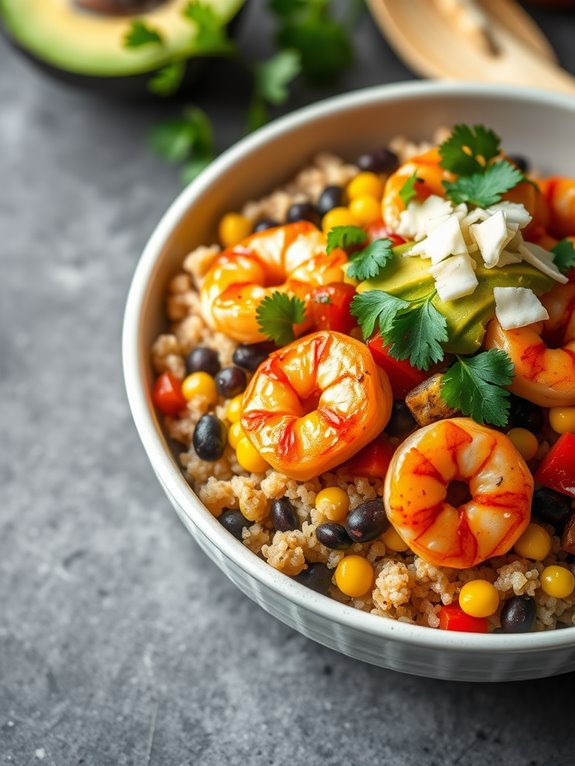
[(378, 230), (330, 307), (167, 394), (452, 617), (372, 461), (557, 469), (402, 375)]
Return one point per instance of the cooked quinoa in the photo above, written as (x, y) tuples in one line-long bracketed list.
[(405, 587)]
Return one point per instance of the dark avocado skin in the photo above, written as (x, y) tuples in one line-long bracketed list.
[(132, 87)]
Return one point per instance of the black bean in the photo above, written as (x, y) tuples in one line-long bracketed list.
[(524, 414), (202, 359), (518, 615), (284, 515), (265, 223), (551, 507), (210, 438), (303, 211), (249, 356), (378, 161), (522, 162), (367, 521), (333, 535), (331, 196), (230, 381), (401, 421), (317, 577), (234, 522)]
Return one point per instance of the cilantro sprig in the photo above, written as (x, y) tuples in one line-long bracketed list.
[(211, 35), (368, 263), (475, 386), (344, 237), (271, 80), (413, 330), (277, 314), (471, 153), (141, 33), (564, 255), (407, 191)]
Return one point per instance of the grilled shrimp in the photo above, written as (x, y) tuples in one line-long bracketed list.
[(544, 374), (288, 258), (560, 196), (492, 477), (313, 404)]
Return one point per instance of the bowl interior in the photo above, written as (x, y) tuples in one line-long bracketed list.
[(535, 124)]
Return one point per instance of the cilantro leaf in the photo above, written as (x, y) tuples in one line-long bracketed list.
[(376, 308), (140, 33), (564, 253), (469, 149), (188, 139), (211, 35), (287, 7), (484, 189), (407, 191), (274, 75), (277, 314), (167, 80), (474, 385), (345, 236), (369, 262), (417, 335)]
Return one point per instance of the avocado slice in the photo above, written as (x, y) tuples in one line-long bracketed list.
[(75, 41), (467, 318)]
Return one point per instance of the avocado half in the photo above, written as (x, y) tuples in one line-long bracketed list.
[(87, 48)]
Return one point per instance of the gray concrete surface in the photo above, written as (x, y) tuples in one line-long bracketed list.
[(120, 643)]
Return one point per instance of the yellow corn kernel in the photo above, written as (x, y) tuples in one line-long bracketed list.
[(479, 598), (562, 419), (557, 581), (235, 433), (338, 216), (354, 576), (233, 228), (234, 409), (534, 543), (365, 184), (524, 442), (393, 541), (366, 209), (333, 502), (200, 384), (249, 458)]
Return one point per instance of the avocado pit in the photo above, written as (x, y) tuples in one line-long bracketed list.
[(118, 7)]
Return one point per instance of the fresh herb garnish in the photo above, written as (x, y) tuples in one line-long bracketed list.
[(187, 141), (167, 80), (564, 255), (211, 35), (369, 262), (468, 149), (271, 80), (140, 33), (277, 314), (475, 385), (345, 236), (321, 40), (484, 189), (414, 330), (407, 191)]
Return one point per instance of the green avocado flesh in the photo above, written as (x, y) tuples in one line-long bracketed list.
[(77, 41), (467, 318)]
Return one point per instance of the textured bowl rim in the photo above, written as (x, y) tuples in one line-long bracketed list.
[(164, 464)]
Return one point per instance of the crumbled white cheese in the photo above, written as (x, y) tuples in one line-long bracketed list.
[(454, 277), (443, 241), (514, 212), (491, 236), (413, 221), (517, 307), (542, 260)]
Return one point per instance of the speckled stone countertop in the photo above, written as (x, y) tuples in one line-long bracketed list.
[(120, 643)]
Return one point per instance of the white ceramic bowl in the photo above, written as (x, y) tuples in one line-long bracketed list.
[(539, 125)]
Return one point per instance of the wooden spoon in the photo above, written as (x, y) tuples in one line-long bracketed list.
[(489, 40)]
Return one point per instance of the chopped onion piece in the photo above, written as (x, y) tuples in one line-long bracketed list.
[(454, 277), (413, 221), (517, 307), (491, 236), (515, 212), (542, 260)]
